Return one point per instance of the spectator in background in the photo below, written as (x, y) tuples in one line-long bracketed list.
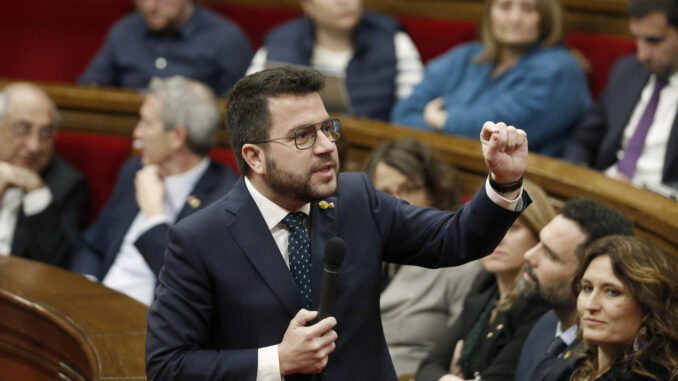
[(43, 199), (124, 248), (380, 61), (519, 73), (418, 303), (171, 37), (549, 270), (495, 320), (627, 302), (632, 131)]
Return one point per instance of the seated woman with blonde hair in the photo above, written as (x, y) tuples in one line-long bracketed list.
[(485, 341), (627, 302), (519, 73)]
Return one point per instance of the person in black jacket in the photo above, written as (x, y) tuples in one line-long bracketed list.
[(43, 200)]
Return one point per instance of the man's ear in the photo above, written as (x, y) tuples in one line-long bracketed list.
[(179, 137), (255, 157)]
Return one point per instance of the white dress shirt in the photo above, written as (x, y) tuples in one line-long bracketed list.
[(33, 203), (650, 165), (130, 273)]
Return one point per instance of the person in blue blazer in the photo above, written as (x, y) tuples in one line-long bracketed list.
[(173, 178), (518, 73), (238, 294)]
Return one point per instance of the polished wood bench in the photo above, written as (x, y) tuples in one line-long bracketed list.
[(57, 325), (114, 112)]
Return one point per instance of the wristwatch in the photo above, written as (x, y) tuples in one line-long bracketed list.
[(506, 187)]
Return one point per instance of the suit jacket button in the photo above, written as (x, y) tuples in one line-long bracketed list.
[(489, 335), (500, 327)]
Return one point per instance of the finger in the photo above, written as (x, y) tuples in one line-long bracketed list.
[(501, 137), (439, 102), (327, 342), (321, 327), (303, 316), (489, 128), (457, 352), (521, 139), (510, 138)]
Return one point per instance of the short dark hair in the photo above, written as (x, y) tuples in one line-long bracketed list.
[(248, 118), (595, 220), (641, 8)]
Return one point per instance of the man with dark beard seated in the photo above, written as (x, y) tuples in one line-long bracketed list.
[(549, 270)]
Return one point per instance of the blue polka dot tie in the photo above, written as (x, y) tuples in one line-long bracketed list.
[(298, 247)]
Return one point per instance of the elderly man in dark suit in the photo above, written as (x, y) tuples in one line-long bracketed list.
[(632, 131), (43, 199), (173, 178), (237, 296), (549, 269)]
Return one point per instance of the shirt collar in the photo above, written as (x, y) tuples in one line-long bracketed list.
[(672, 81), (569, 336), (178, 187), (272, 212)]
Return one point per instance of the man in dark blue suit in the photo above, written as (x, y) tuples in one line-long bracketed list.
[(632, 131), (124, 247), (237, 296), (43, 200), (549, 269)]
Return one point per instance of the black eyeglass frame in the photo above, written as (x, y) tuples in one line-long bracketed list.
[(334, 133)]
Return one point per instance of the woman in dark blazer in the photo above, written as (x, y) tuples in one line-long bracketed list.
[(487, 338)]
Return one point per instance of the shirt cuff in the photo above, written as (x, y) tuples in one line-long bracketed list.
[(505, 203), (37, 201), (149, 223), (268, 364)]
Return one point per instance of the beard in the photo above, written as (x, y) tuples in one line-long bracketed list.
[(297, 186), (559, 297)]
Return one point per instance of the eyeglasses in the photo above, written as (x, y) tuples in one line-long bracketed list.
[(305, 137)]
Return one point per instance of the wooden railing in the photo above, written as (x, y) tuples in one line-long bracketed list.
[(57, 325), (112, 111)]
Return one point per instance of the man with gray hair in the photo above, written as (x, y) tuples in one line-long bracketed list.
[(174, 177), (42, 199)]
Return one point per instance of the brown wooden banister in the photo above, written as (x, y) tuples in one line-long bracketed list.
[(114, 111), (57, 325)]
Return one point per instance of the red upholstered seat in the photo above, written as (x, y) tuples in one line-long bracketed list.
[(224, 156), (98, 157), (434, 37), (602, 51)]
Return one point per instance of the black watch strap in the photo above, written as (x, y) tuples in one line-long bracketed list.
[(506, 187)]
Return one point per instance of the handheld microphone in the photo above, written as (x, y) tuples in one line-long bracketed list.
[(335, 248)]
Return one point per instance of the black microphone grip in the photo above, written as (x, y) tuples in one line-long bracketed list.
[(335, 249)]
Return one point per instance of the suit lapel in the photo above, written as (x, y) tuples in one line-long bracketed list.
[(202, 192), (671, 157), (562, 364), (627, 100), (252, 235), (323, 227)]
